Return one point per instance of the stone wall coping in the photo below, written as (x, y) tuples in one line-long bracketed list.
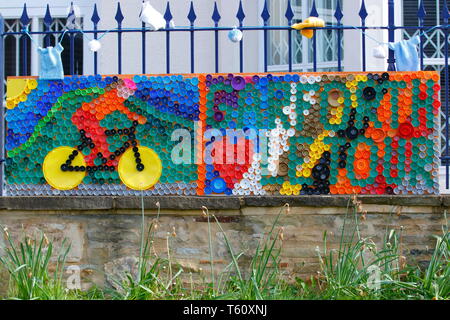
[(102, 203)]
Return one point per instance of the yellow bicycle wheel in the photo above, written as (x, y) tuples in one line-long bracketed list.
[(58, 179), (140, 180)]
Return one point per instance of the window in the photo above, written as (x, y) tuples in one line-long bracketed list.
[(302, 48), (14, 50)]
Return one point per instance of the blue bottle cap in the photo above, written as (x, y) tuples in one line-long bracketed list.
[(263, 81), (208, 190), (218, 185)]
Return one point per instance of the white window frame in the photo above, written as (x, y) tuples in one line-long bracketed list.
[(307, 64)]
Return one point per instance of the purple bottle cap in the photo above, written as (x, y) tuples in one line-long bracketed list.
[(238, 83), (218, 116)]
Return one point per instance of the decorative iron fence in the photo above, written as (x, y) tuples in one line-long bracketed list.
[(265, 29)]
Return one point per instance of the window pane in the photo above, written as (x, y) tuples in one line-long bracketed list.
[(279, 42), (326, 39), (25, 53), (10, 56), (15, 50)]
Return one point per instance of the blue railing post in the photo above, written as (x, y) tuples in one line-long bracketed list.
[(314, 13), (47, 25), (363, 15), (289, 16), (168, 17), (391, 37), (216, 18), (25, 21), (2, 99), (421, 15), (192, 17), (95, 20), (241, 16), (119, 18), (266, 16), (144, 41), (72, 27), (339, 15)]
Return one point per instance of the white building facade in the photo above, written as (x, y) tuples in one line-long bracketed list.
[(204, 40)]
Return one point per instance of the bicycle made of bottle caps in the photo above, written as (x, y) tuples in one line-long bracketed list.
[(138, 167)]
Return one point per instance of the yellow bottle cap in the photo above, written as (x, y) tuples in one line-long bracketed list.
[(140, 180), (58, 179)]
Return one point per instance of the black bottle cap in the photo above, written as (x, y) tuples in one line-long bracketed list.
[(352, 133), (369, 93)]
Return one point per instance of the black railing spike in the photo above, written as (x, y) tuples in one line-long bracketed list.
[(216, 15), (314, 12), (265, 13), (363, 11), (191, 15), (25, 19), (48, 17), (338, 13), (240, 14), (95, 17), (421, 13), (119, 16), (289, 12), (445, 12), (168, 15)]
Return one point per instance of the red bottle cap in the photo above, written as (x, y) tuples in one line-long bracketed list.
[(406, 130)]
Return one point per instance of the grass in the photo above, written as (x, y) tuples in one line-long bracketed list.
[(263, 280), (356, 269), (28, 263)]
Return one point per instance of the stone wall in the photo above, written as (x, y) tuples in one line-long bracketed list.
[(105, 231)]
